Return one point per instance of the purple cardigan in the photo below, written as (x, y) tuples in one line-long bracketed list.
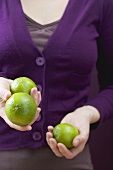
[(62, 71)]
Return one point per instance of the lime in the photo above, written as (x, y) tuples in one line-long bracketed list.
[(65, 133), (22, 84), (20, 109)]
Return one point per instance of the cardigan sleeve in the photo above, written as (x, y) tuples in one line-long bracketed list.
[(103, 101)]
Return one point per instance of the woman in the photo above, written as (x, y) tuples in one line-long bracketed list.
[(57, 44)]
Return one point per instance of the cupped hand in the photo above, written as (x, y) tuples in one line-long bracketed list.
[(81, 118), (5, 94)]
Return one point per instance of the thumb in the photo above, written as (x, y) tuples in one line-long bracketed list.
[(81, 138), (4, 94)]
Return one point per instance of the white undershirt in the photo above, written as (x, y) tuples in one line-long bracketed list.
[(44, 11)]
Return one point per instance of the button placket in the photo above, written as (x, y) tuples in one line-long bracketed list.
[(39, 87), (39, 118), (37, 136), (40, 61)]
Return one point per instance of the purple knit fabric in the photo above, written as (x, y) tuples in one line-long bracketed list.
[(82, 39)]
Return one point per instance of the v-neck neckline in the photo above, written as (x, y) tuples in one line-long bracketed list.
[(40, 25), (54, 33)]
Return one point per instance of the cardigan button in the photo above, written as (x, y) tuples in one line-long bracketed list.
[(39, 87), (40, 61), (37, 136), (39, 118)]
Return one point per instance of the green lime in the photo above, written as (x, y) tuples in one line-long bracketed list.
[(20, 109), (22, 84), (65, 133)]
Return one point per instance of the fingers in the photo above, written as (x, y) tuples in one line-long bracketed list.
[(5, 83), (17, 127), (70, 154), (14, 126), (5, 88), (53, 144), (79, 140), (49, 133), (10, 81), (60, 149), (4, 94), (78, 143), (65, 152), (83, 136), (50, 128), (36, 95), (36, 116)]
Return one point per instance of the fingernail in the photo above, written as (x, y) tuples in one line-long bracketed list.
[(30, 128)]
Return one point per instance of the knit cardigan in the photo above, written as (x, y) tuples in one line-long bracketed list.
[(83, 38)]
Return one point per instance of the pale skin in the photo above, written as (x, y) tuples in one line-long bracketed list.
[(44, 11), (5, 94), (81, 118)]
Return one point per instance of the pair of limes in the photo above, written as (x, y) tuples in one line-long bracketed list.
[(21, 108)]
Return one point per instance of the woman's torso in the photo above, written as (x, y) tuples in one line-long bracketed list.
[(62, 69)]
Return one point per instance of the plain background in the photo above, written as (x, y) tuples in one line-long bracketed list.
[(101, 139)]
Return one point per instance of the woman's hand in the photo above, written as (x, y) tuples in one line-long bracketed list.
[(81, 118), (5, 94)]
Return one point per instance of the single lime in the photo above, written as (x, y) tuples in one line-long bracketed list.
[(22, 84), (20, 109), (65, 133)]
